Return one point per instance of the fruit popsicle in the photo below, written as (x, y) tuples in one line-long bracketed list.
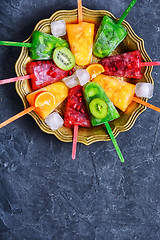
[(59, 90), (101, 110), (127, 64), (80, 38), (110, 34), (121, 93), (123, 65), (41, 46), (44, 73), (41, 74), (76, 114)]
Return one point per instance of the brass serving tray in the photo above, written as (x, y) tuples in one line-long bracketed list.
[(93, 134)]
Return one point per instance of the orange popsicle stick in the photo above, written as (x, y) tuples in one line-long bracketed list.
[(79, 3), (41, 99), (135, 99), (27, 110), (74, 146), (15, 79)]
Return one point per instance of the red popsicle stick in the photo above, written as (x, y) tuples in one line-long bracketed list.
[(15, 79), (146, 64), (74, 146), (135, 99), (27, 110), (79, 3)]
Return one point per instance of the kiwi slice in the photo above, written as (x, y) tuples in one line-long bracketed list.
[(63, 58), (98, 108)]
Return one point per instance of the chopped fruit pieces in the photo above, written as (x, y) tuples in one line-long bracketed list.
[(94, 70)]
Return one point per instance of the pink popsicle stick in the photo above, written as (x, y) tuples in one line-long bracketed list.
[(146, 64), (74, 146), (15, 79)]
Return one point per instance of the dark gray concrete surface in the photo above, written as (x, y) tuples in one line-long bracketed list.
[(44, 195)]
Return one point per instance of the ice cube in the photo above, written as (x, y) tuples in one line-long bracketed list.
[(54, 121), (58, 28), (71, 81), (144, 90), (83, 76)]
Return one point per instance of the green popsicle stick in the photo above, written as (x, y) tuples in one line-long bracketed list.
[(16, 44), (114, 141), (126, 11)]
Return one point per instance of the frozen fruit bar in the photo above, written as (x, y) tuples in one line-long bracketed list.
[(76, 111), (124, 65), (43, 45), (45, 73), (100, 108), (80, 38), (60, 92), (120, 93), (108, 37)]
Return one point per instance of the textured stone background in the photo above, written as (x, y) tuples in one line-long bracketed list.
[(44, 195)]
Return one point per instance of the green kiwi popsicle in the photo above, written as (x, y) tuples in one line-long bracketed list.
[(110, 34), (41, 46), (101, 110)]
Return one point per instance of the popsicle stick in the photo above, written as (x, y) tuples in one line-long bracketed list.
[(27, 110), (15, 79), (79, 3), (126, 11), (135, 99), (74, 146), (146, 64), (114, 141), (15, 44)]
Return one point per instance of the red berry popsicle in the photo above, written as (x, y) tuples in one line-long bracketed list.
[(127, 65), (76, 111), (45, 73), (76, 114), (41, 74)]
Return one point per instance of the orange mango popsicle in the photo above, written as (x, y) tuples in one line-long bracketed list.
[(60, 92), (119, 92), (80, 37)]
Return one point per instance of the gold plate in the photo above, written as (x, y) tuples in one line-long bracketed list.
[(86, 135)]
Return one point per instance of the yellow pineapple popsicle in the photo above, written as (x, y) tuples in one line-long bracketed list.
[(60, 92), (80, 37), (119, 92)]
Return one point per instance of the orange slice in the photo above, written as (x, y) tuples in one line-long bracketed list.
[(95, 69), (44, 98)]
